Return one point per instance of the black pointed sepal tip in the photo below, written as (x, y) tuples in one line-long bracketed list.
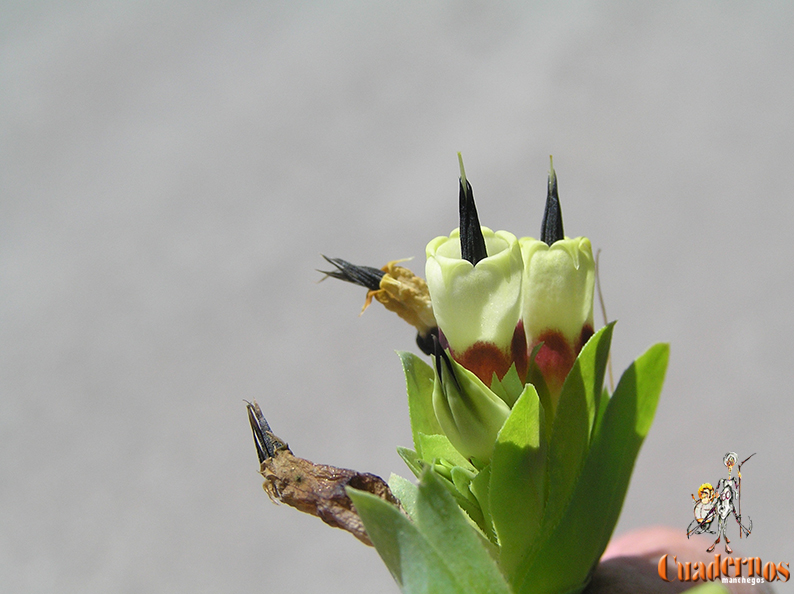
[(440, 358), (472, 243), (364, 276), (551, 227), (265, 445)]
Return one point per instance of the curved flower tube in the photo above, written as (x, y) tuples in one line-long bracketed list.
[(557, 303), (478, 306)]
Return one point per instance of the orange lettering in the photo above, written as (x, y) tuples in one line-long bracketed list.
[(663, 567), (726, 563), (680, 568), (782, 569), (754, 566), (770, 572), (700, 571), (713, 571), (737, 563)]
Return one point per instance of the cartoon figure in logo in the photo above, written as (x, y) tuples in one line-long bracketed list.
[(704, 509), (729, 491)]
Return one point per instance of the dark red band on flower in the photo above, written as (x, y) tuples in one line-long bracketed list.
[(555, 359), (484, 359)]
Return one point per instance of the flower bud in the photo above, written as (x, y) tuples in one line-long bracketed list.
[(469, 413), (557, 303), (478, 306)]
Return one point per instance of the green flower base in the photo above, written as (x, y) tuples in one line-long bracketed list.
[(536, 518)]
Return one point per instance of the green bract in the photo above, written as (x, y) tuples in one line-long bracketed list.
[(469, 413), (544, 507)]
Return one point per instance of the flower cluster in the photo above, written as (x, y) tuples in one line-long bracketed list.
[(519, 449), (501, 303)]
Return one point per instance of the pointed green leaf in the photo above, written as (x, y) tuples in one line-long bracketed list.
[(517, 487), (415, 565), (513, 385), (603, 402), (576, 411), (598, 496), (509, 388), (480, 489), (445, 527), (438, 446), (405, 491), (462, 478), (419, 379), (412, 459), (496, 388)]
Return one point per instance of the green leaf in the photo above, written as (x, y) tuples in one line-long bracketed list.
[(576, 412), (603, 402), (412, 459), (590, 518), (512, 385), (455, 479), (413, 562), (419, 379), (405, 491), (441, 521), (462, 478), (432, 447), (517, 486), (480, 488), (509, 388)]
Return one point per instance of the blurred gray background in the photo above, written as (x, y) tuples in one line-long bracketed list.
[(171, 172)]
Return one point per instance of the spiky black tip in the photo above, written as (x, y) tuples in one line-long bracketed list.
[(472, 243), (551, 227), (364, 276), (440, 358), (265, 446)]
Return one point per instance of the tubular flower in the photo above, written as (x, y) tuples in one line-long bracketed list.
[(478, 306), (469, 413), (557, 303)]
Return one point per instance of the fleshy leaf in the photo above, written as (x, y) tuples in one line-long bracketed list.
[(480, 488), (413, 562), (412, 459), (419, 379), (603, 402), (509, 388), (438, 446), (440, 520), (457, 485), (576, 411), (513, 385), (405, 491), (517, 486), (603, 483)]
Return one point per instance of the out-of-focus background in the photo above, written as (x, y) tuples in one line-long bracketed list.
[(171, 172)]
